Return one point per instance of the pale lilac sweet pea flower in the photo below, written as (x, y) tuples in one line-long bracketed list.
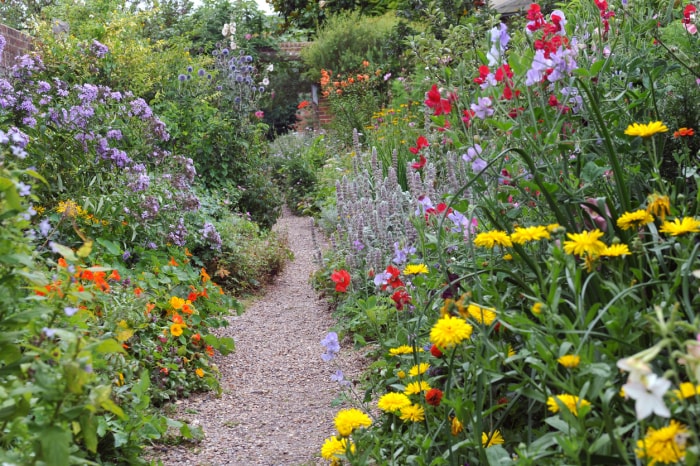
[(482, 108), (472, 153)]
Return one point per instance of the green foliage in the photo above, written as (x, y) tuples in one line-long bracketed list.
[(345, 41)]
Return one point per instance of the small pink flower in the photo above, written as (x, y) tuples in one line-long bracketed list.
[(259, 114)]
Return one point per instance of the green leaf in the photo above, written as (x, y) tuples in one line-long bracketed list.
[(226, 345), (65, 251), (109, 346), (498, 455), (55, 446), (88, 427), (111, 247)]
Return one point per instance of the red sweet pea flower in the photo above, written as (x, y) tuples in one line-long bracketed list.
[(433, 397), (687, 12), (401, 298), (437, 103), (393, 280), (341, 278), (483, 72), (421, 143), (420, 164), (435, 351)]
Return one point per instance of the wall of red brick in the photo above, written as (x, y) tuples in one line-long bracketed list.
[(17, 43)]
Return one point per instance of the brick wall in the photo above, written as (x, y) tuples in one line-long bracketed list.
[(18, 43), (293, 49)]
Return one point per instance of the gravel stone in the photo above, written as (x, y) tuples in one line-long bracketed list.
[(275, 409)]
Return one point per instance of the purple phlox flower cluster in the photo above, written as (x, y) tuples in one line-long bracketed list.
[(87, 93), (3, 42), (141, 109), (78, 116), (140, 181), (7, 94), (211, 236), (99, 49), (574, 98), (43, 87), (482, 108), (115, 134), (563, 64), (540, 64), (188, 201), (332, 345), (178, 233), (499, 42), (401, 254), (26, 65), (149, 208)]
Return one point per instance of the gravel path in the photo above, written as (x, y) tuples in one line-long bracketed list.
[(276, 403)]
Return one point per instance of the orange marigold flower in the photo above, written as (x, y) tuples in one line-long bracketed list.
[(683, 132), (115, 275), (62, 262), (173, 262)]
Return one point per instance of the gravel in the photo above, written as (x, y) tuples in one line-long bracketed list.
[(275, 408)]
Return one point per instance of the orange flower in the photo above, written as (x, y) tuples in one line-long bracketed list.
[(186, 308), (62, 262), (205, 276), (199, 372), (149, 308), (188, 253), (138, 291), (365, 63), (303, 104), (683, 132), (196, 338), (192, 296), (173, 262), (115, 275), (177, 319), (209, 350), (87, 275)]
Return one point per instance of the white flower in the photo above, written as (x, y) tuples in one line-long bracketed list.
[(270, 67), (637, 368), (265, 82), (648, 393), (225, 31)]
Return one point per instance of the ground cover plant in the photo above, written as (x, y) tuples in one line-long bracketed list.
[(528, 288)]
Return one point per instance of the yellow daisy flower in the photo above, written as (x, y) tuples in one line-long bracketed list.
[(415, 388), (419, 369), (413, 413), (569, 360), (450, 331), (522, 235), (587, 242), (490, 239), (572, 403), (490, 440), (415, 269), (399, 350), (659, 205), (645, 130), (686, 390), (681, 226), (333, 447), (616, 250), (393, 402), (665, 445), (537, 308), (347, 420), (483, 315), (635, 219)]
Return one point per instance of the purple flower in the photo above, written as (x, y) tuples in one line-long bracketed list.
[(210, 235), (401, 255), (563, 64), (49, 332), (126, 255), (99, 49), (140, 108), (115, 134), (332, 345), (150, 207), (44, 227), (482, 108), (70, 311), (472, 153), (178, 233), (43, 87), (537, 69), (151, 245), (357, 244), (201, 72), (479, 165), (23, 189)]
